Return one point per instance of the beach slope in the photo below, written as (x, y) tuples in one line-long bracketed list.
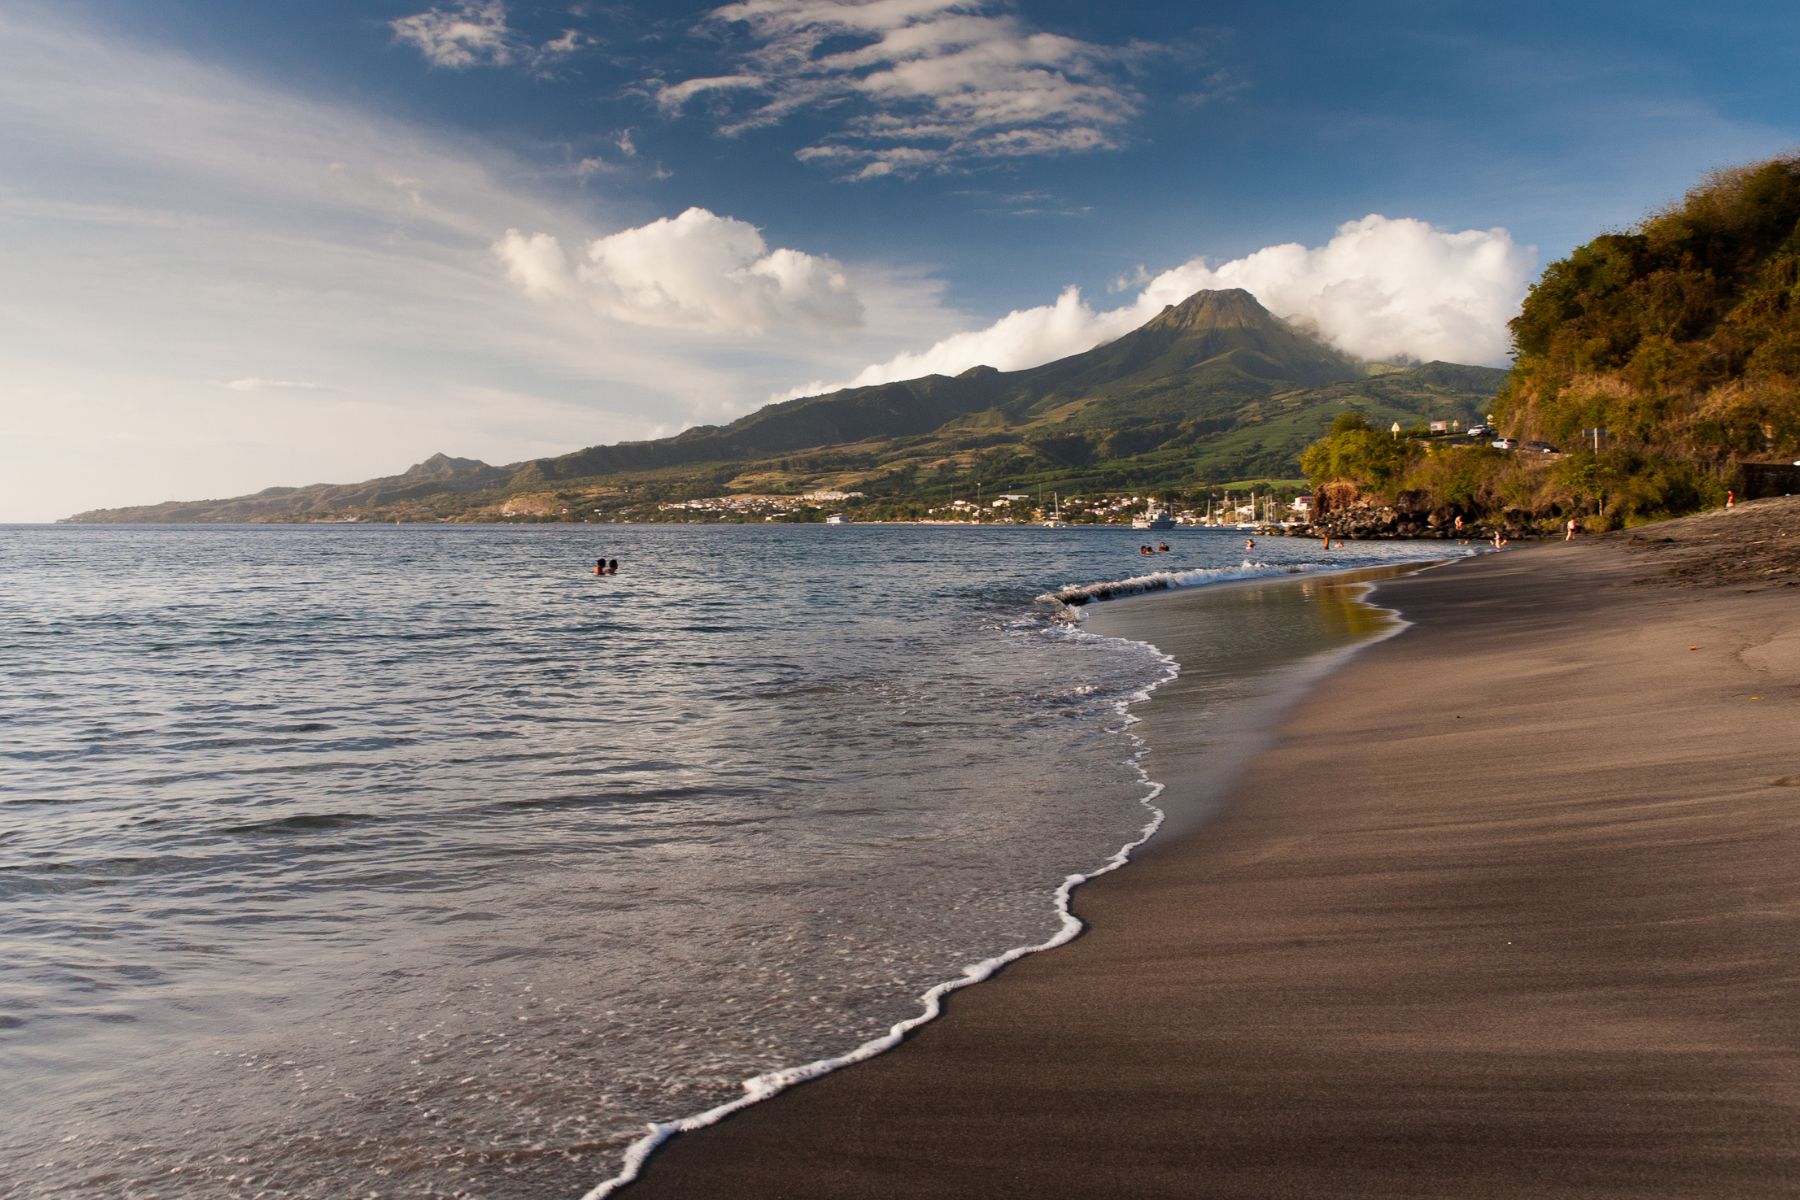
[(1512, 907)]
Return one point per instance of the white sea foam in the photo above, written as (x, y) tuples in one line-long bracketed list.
[(762, 1087), (1156, 581)]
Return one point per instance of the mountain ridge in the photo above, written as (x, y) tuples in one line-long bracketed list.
[(1185, 394)]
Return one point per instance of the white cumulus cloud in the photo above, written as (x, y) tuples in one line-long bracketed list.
[(1381, 288), (698, 271)]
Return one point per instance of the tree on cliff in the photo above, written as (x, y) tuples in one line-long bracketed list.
[(1355, 453)]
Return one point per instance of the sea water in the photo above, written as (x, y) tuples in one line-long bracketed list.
[(421, 861)]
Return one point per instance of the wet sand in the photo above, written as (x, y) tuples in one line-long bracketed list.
[(1510, 907)]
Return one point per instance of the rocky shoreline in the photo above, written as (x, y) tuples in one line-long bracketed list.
[(1752, 540), (1388, 522)]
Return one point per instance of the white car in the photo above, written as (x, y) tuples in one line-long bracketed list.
[(1505, 443)]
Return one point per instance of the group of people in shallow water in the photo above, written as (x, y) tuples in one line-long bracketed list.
[(1161, 548), (604, 567)]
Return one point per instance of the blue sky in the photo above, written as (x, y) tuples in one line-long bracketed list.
[(285, 242)]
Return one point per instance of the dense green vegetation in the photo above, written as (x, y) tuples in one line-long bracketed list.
[(1618, 486), (1679, 340)]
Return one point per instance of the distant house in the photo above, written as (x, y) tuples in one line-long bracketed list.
[(1440, 427), (1303, 503)]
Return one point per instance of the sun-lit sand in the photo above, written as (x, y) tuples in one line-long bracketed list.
[(1511, 908)]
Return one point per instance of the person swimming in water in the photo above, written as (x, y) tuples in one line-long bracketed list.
[(599, 566), (612, 567)]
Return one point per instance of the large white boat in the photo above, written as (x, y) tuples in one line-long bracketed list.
[(1153, 517), (1055, 521)]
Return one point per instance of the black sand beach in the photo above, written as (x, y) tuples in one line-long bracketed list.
[(1510, 907)]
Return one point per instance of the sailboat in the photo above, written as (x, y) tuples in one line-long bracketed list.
[(1055, 521), (1251, 523)]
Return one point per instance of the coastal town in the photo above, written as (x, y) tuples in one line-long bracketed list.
[(1009, 508)]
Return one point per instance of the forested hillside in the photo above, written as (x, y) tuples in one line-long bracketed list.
[(1653, 366), (1681, 336)]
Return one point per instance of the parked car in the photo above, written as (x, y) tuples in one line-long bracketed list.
[(1505, 443), (1542, 447)]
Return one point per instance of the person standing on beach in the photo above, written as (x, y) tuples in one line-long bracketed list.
[(1569, 534)]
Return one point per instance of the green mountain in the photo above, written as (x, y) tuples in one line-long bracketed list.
[(1213, 389), (437, 476)]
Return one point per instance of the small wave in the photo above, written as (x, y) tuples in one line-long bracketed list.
[(632, 796), (1075, 595), (304, 823)]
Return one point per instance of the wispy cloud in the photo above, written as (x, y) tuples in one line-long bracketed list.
[(475, 33), (470, 34), (1026, 204), (695, 271), (1381, 288), (923, 85), (253, 383)]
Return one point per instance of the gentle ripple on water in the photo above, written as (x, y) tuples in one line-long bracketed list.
[(375, 861)]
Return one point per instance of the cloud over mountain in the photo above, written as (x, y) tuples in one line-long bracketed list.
[(925, 84), (1381, 288), (698, 270)]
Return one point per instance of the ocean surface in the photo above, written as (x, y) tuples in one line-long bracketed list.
[(419, 861)]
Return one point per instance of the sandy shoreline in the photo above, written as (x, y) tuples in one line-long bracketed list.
[(1511, 907)]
